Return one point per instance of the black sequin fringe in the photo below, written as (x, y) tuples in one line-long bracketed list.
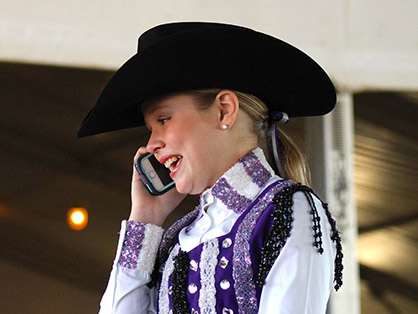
[(338, 271), (179, 283), (280, 231), (282, 226)]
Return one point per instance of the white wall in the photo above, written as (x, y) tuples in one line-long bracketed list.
[(363, 44)]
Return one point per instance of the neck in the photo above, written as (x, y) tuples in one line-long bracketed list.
[(234, 145)]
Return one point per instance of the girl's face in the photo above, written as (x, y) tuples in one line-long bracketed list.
[(186, 139)]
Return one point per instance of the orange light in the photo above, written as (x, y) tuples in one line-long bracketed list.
[(77, 218)]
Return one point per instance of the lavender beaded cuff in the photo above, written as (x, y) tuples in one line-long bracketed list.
[(132, 244), (140, 246)]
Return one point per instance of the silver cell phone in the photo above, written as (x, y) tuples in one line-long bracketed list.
[(155, 176)]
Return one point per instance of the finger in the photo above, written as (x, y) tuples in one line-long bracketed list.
[(141, 151)]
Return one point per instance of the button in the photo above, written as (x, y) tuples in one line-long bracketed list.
[(194, 311), (210, 198), (170, 290), (226, 243), (227, 311), (192, 288), (223, 262), (193, 265), (225, 284)]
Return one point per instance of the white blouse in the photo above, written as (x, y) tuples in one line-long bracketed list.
[(300, 280)]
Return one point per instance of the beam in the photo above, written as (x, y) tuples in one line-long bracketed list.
[(390, 223)]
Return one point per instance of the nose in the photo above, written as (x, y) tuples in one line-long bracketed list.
[(155, 143)]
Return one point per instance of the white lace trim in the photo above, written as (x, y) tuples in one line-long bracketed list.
[(208, 262), (150, 244), (238, 178), (163, 299)]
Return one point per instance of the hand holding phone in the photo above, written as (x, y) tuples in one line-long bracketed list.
[(155, 176)]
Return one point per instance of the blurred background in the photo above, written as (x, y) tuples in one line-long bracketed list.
[(56, 56)]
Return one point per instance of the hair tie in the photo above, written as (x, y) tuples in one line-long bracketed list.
[(280, 117)]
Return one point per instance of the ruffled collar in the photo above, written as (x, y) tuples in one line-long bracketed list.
[(239, 185)]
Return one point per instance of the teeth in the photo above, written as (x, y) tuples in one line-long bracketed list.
[(170, 161)]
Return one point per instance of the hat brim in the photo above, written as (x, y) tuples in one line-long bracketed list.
[(236, 58)]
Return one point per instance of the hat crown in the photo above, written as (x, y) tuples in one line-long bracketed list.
[(183, 56), (162, 32)]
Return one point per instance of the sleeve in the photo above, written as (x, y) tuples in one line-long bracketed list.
[(127, 291), (301, 278)]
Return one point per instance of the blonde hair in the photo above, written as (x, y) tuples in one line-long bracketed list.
[(292, 160)]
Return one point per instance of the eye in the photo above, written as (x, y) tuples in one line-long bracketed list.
[(163, 120)]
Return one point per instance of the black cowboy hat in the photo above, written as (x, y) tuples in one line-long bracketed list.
[(197, 55)]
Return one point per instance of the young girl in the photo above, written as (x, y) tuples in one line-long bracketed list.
[(211, 96)]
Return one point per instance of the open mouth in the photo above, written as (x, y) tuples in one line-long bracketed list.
[(172, 162)]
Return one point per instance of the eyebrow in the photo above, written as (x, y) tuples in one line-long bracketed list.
[(150, 108), (150, 104)]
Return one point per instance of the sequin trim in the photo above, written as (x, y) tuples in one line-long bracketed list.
[(316, 220), (279, 232), (208, 262), (179, 282), (238, 178), (230, 197), (148, 253), (257, 167), (281, 228), (163, 296), (132, 244), (335, 237), (243, 181), (242, 271)]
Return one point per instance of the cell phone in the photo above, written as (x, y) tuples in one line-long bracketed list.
[(155, 176)]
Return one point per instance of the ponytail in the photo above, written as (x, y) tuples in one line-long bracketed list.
[(292, 160)]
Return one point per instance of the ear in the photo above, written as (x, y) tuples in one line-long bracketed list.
[(228, 105)]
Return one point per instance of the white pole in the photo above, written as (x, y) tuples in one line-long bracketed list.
[(330, 149)]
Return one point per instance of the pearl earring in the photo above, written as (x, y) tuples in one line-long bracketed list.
[(225, 126)]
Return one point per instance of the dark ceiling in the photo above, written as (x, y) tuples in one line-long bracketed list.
[(44, 170)]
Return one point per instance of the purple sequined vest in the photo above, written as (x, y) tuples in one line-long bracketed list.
[(219, 276)]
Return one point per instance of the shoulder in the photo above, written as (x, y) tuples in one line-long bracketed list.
[(295, 208)]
